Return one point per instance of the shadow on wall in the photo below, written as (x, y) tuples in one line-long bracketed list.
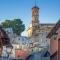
[(39, 56)]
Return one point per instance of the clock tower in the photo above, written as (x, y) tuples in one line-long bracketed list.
[(35, 20)]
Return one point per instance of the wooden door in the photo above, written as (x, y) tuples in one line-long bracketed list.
[(59, 49)]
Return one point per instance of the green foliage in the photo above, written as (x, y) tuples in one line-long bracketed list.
[(16, 24)]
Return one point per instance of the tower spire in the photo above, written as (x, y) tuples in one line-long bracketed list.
[(35, 2)]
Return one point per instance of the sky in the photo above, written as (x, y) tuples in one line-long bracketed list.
[(49, 10)]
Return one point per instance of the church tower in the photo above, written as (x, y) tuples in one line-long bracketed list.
[(35, 20), (34, 26)]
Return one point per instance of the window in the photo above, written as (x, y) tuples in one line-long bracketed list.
[(54, 36), (19, 39)]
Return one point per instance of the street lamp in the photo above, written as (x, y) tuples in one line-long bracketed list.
[(9, 50)]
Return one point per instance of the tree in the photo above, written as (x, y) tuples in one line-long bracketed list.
[(16, 25)]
